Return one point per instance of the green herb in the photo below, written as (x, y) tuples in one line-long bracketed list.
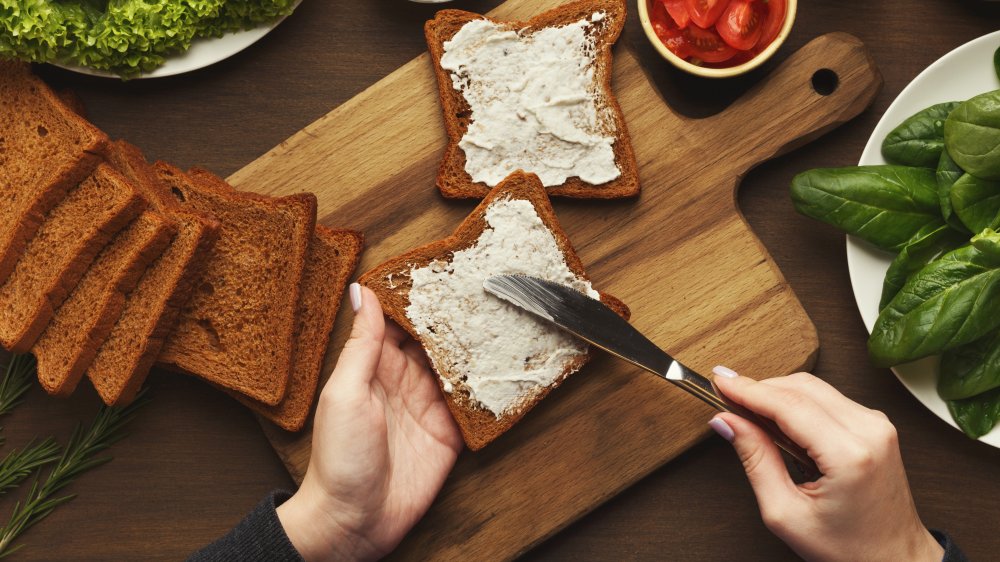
[(16, 381), (77, 458), (19, 463), (919, 140), (972, 134), (977, 415), (885, 205)]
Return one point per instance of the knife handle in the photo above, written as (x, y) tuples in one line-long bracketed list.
[(802, 460), (708, 392)]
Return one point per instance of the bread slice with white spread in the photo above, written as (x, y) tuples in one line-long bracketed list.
[(494, 362), (532, 95)]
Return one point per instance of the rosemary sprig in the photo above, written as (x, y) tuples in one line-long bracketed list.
[(16, 381), (19, 463), (76, 458)]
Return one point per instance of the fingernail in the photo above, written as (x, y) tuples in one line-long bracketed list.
[(355, 296), (724, 372), (722, 428)]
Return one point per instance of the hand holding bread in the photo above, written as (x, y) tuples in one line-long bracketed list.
[(382, 446)]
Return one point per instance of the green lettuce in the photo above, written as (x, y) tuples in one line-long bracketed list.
[(237, 15), (126, 37)]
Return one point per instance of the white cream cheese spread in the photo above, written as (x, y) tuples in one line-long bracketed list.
[(534, 103), (501, 355)]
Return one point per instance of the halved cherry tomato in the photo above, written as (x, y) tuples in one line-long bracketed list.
[(775, 20), (678, 12), (706, 45), (704, 13), (741, 23), (666, 29)]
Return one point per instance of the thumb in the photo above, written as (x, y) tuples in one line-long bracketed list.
[(761, 460), (363, 350)]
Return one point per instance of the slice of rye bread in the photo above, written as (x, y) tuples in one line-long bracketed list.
[(60, 253), (152, 308), (453, 180), (70, 342), (391, 281), (45, 150), (333, 255), (238, 329)]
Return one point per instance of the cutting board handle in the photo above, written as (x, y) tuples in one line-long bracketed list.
[(822, 85)]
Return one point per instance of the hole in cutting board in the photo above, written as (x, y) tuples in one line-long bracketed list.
[(825, 81)]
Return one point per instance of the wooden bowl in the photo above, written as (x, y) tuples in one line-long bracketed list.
[(708, 72)]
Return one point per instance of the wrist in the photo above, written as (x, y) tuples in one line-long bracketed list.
[(314, 531)]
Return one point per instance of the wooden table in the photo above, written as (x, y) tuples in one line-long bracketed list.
[(196, 461)]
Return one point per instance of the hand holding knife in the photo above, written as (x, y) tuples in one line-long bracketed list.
[(594, 322)]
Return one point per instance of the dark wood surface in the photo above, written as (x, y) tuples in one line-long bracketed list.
[(196, 461)]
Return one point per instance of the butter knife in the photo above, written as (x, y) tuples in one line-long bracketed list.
[(594, 322)]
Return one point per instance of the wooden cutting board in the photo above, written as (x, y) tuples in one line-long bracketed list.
[(698, 281)]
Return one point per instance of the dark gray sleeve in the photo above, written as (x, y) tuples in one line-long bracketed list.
[(258, 537), (951, 551)]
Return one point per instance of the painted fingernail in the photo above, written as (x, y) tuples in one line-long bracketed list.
[(355, 296), (724, 372), (722, 428)]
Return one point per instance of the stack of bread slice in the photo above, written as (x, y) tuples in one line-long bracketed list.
[(110, 264)]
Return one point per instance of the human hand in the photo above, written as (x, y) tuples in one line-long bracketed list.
[(861, 508), (383, 443)]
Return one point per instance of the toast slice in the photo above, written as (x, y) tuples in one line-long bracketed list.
[(71, 341), (150, 311), (493, 361), (238, 329), (61, 251), (333, 255), (532, 95), (45, 150)]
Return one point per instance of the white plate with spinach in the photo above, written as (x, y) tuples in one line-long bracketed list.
[(961, 74)]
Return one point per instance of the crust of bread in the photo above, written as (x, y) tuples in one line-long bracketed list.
[(333, 256), (392, 283), (452, 180)]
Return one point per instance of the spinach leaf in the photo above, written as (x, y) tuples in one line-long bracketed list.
[(885, 205), (914, 256), (970, 369), (996, 61), (919, 140), (947, 174), (977, 415), (952, 301), (972, 135), (976, 201)]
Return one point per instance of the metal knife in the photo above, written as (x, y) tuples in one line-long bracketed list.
[(594, 322)]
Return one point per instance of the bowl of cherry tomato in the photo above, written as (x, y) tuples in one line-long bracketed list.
[(717, 38)]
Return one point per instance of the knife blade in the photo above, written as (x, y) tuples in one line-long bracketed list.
[(591, 320)]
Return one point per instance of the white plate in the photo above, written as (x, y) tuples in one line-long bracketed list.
[(957, 76), (203, 52)]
